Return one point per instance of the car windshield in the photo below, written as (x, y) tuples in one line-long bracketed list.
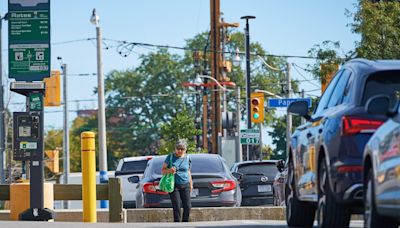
[(386, 82), (200, 164), (135, 166), (258, 169)]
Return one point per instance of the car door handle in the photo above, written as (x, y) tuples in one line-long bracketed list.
[(309, 135)]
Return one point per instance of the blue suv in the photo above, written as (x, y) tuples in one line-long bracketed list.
[(325, 160)]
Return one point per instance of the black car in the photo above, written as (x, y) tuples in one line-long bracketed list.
[(325, 158), (256, 179), (213, 184)]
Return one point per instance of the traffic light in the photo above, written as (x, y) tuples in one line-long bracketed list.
[(52, 96), (257, 107)]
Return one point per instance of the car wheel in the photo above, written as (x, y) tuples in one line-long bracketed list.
[(329, 212), (371, 217), (298, 214)]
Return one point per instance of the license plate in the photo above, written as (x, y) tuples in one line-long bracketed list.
[(264, 188), (194, 193)]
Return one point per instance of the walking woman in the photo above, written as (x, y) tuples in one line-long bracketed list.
[(183, 180)]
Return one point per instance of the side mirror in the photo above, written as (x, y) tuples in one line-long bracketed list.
[(134, 179), (237, 175), (378, 105), (299, 108)]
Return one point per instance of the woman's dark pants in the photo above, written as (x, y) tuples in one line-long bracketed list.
[(181, 197)]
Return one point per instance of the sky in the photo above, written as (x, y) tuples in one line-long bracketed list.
[(282, 27)]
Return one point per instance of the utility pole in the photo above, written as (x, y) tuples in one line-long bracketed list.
[(66, 130), (248, 92), (2, 111), (215, 73), (288, 115), (239, 155), (101, 106)]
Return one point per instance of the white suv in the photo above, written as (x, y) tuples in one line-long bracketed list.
[(130, 170)]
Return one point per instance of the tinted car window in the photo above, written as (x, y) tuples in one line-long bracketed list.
[(386, 82), (258, 169), (348, 91), (338, 93), (135, 166), (199, 165), (206, 165), (323, 102)]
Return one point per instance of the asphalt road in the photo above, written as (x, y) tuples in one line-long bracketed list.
[(219, 224)]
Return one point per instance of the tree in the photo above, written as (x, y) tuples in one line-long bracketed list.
[(379, 26), (279, 135), (181, 127), (327, 55), (141, 100)]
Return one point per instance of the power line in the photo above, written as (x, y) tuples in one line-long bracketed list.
[(296, 68)]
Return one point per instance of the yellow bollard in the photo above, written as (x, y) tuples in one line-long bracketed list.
[(88, 176)]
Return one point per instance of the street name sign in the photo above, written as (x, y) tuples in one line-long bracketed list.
[(250, 136), (29, 39), (285, 102)]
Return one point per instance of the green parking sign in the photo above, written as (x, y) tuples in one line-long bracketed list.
[(29, 39), (35, 102)]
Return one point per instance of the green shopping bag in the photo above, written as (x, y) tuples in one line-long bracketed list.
[(167, 182)]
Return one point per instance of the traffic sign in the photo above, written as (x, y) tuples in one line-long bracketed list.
[(285, 102), (35, 102), (29, 39), (250, 136)]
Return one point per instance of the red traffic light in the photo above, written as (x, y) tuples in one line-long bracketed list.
[(255, 101)]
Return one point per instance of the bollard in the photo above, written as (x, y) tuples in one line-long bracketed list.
[(88, 176)]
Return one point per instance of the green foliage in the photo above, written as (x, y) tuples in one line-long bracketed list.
[(279, 135), (181, 127), (379, 26), (328, 56), (53, 139)]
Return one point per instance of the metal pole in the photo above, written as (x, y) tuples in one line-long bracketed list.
[(66, 130), (260, 125), (247, 46), (303, 121), (239, 155), (101, 114), (288, 116), (2, 122)]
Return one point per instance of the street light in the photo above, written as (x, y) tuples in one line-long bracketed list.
[(101, 109)]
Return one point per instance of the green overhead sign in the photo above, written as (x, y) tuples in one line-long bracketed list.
[(29, 39)]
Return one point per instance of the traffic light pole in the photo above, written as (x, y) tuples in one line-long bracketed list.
[(247, 46)]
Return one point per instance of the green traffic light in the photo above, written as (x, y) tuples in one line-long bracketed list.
[(256, 115)]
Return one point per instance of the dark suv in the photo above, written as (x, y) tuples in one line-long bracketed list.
[(325, 157), (256, 179)]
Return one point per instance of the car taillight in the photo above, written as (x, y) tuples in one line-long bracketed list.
[(153, 188), (223, 186), (353, 125), (350, 168)]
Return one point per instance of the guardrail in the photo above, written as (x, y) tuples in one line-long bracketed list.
[(110, 191)]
